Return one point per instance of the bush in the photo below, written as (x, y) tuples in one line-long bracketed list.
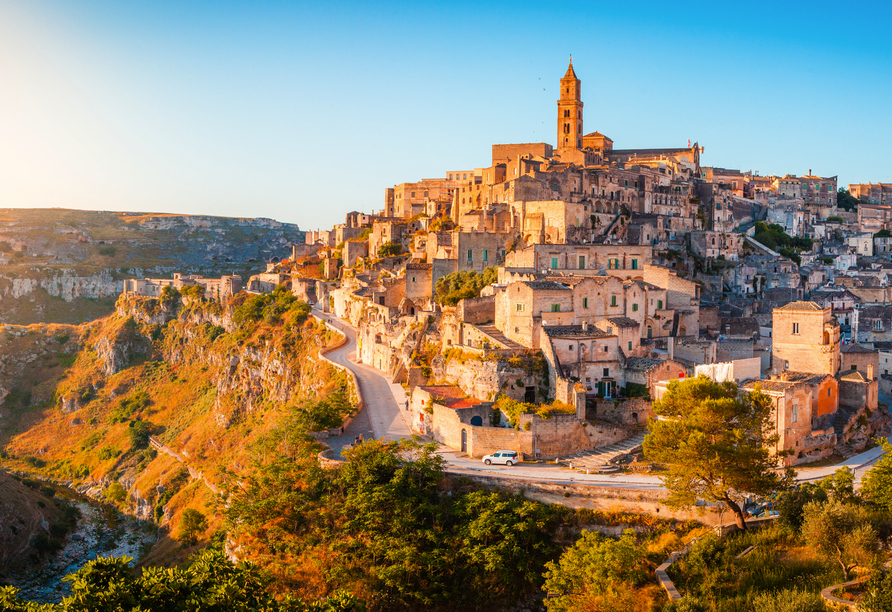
[(115, 493), (108, 452), (170, 297), (192, 526), (128, 406), (389, 249), (108, 251), (139, 432), (457, 286)]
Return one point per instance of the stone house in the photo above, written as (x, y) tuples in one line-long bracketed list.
[(803, 415), (648, 372), (805, 338), (874, 324)]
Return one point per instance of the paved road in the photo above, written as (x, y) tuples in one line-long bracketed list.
[(382, 418)]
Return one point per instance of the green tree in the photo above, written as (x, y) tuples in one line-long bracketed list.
[(715, 444), (170, 297), (389, 249), (845, 200), (876, 485), (457, 286), (115, 493), (192, 524), (841, 532), (139, 431), (594, 567)]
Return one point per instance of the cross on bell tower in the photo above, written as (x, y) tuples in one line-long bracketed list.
[(570, 111)]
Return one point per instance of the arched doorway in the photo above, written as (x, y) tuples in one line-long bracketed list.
[(464, 440), (476, 420)]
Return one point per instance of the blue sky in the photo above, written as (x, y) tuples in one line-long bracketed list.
[(305, 111)]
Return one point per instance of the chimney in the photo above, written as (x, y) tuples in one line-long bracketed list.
[(809, 171)]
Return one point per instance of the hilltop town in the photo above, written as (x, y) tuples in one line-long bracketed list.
[(541, 303)]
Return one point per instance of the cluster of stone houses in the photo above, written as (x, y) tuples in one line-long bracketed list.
[(617, 272)]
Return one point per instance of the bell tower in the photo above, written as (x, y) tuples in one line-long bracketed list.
[(570, 112)]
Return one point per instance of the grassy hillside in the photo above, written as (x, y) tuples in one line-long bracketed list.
[(197, 384)]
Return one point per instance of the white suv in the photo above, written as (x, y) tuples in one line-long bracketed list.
[(503, 456)]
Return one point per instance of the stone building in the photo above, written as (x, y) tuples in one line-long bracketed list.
[(805, 338)]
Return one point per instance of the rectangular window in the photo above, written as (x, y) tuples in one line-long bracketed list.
[(606, 371), (659, 304), (795, 328), (554, 263), (828, 392), (630, 345), (795, 416), (585, 302), (470, 255), (582, 262), (555, 308), (485, 255), (413, 279), (878, 326), (634, 264), (613, 300), (634, 307), (518, 307)]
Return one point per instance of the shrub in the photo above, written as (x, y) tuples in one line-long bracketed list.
[(389, 249), (108, 452), (457, 286), (790, 600), (128, 406), (108, 251), (115, 493), (138, 432), (192, 525)]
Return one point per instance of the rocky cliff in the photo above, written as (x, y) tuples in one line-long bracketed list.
[(68, 266), (149, 407)]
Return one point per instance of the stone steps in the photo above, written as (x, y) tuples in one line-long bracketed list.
[(599, 458), (493, 332)]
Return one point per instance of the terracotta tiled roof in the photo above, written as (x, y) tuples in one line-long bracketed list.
[(445, 392), (557, 331), (800, 306), (856, 348), (623, 321), (853, 376)]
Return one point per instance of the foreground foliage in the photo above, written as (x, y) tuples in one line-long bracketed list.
[(210, 583), (385, 527)]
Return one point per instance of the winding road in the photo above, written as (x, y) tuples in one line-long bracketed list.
[(383, 419)]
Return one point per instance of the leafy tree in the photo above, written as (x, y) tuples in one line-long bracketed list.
[(876, 485), (841, 533), (139, 431), (839, 486), (389, 249), (454, 287), (715, 444), (115, 493), (845, 199), (170, 297), (594, 567), (192, 524), (324, 413)]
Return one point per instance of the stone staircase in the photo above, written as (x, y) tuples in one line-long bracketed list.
[(839, 423), (498, 337), (598, 459)]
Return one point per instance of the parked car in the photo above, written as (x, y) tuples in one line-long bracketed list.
[(503, 456)]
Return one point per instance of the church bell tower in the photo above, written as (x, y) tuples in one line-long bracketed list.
[(570, 112)]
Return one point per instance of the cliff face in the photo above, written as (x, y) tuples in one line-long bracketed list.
[(69, 266), (200, 387)]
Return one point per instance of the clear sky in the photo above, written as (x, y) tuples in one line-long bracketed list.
[(304, 111)]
